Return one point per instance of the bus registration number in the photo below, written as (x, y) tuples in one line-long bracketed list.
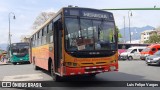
[(82, 47)]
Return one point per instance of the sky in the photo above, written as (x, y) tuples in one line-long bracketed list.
[(26, 12)]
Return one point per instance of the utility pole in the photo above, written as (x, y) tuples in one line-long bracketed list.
[(129, 14), (9, 36), (124, 30)]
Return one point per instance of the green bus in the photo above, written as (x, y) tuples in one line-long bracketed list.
[(19, 53)]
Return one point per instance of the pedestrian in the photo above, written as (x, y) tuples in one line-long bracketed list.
[(2, 58)]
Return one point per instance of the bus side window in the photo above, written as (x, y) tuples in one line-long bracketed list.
[(40, 37), (49, 33), (31, 42), (45, 34), (36, 36), (50, 27)]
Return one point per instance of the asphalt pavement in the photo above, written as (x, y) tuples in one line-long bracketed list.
[(134, 70)]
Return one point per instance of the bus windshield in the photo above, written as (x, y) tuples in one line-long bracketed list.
[(89, 34), (19, 50)]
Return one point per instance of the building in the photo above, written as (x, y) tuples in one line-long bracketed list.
[(146, 34), (25, 38)]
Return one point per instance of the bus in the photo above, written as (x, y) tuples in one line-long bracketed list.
[(122, 47), (128, 45), (76, 41), (19, 53)]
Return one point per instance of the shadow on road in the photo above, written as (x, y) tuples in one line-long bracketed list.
[(103, 81), (154, 66), (107, 76)]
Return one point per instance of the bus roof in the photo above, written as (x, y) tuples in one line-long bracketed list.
[(49, 20), (20, 42), (153, 45)]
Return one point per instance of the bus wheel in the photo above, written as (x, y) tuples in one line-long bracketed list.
[(36, 67), (53, 75), (92, 75), (14, 63)]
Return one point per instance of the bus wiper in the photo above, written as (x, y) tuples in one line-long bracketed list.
[(99, 29)]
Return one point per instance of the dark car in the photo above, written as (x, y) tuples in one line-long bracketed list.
[(153, 59)]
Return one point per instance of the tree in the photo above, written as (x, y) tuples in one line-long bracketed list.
[(42, 18), (155, 38), (119, 34)]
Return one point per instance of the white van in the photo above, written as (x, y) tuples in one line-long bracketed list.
[(132, 53)]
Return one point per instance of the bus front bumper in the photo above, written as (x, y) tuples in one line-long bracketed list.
[(20, 60), (90, 69)]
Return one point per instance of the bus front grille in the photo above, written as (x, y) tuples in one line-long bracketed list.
[(94, 69)]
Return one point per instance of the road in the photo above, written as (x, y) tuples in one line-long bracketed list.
[(135, 70)]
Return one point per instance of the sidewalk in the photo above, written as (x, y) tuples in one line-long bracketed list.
[(4, 63)]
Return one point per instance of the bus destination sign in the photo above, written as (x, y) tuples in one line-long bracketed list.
[(94, 15)]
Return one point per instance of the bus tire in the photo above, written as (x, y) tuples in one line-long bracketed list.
[(36, 67), (28, 62), (53, 75), (92, 75), (14, 63)]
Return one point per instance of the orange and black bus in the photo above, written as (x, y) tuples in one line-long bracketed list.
[(76, 41)]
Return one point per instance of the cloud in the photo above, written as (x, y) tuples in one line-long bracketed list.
[(5, 36), (31, 1), (22, 16), (3, 7), (139, 18)]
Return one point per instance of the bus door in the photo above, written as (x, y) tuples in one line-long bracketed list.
[(30, 50), (57, 44)]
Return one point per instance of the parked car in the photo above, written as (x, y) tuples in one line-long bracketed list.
[(150, 50), (153, 59), (132, 53), (121, 51)]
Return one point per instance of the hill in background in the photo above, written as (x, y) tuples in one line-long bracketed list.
[(136, 32)]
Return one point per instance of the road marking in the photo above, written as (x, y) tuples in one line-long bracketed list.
[(25, 77)]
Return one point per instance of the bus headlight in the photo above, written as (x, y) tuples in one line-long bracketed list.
[(74, 64), (68, 63), (71, 64)]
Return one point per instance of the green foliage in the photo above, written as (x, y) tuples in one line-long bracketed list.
[(153, 39), (119, 35), (110, 37)]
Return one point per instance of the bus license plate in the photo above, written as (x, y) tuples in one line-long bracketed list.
[(82, 47)]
